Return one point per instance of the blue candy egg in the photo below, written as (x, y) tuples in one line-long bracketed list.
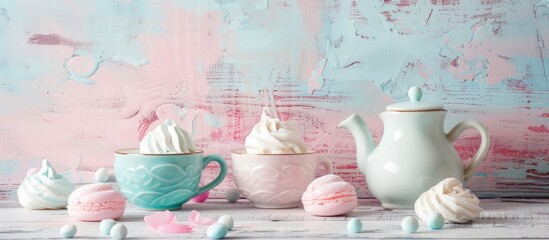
[(232, 195), (354, 225), (409, 224), (106, 225), (217, 231), (101, 175), (119, 231), (226, 220), (68, 231), (435, 221)]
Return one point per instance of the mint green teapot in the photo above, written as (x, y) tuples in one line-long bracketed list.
[(414, 152)]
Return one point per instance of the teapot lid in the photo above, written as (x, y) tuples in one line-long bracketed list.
[(415, 104)]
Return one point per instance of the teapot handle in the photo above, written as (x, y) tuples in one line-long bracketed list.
[(472, 163)]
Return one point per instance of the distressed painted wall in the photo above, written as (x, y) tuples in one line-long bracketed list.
[(79, 79)]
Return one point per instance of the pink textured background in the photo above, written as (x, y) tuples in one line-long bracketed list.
[(80, 80)]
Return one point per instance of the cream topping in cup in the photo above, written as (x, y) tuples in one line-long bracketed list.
[(272, 136), (168, 138)]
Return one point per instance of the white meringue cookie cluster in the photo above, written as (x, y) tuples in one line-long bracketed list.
[(272, 136), (167, 138), (449, 198), (45, 189)]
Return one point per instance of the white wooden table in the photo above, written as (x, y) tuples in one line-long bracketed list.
[(501, 219)]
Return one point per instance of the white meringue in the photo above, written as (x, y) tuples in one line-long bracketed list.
[(45, 189), (449, 198)]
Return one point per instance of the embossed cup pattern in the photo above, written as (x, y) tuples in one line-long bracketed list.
[(163, 182), (275, 181), (284, 187)]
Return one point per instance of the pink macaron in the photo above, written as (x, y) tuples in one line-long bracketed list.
[(329, 195), (95, 202)]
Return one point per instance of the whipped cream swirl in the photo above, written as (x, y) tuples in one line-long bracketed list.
[(45, 189), (272, 136), (449, 198), (168, 138)]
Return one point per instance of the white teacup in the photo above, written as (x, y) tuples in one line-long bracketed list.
[(276, 180)]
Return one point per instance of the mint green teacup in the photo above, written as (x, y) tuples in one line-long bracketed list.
[(163, 181)]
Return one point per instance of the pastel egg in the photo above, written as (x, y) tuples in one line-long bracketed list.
[(226, 220), (217, 231), (201, 197), (354, 225), (101, 175), (435, 221), (409, 224), (68, 231), (106, 225), (119, 231), (232, 195)]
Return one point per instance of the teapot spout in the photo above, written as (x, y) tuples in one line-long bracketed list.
[(365, 144)]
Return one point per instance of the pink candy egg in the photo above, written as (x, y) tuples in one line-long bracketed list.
[(201, 197)]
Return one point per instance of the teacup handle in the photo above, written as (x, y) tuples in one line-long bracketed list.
[(220, 176), (327, 163), (472, 163)]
